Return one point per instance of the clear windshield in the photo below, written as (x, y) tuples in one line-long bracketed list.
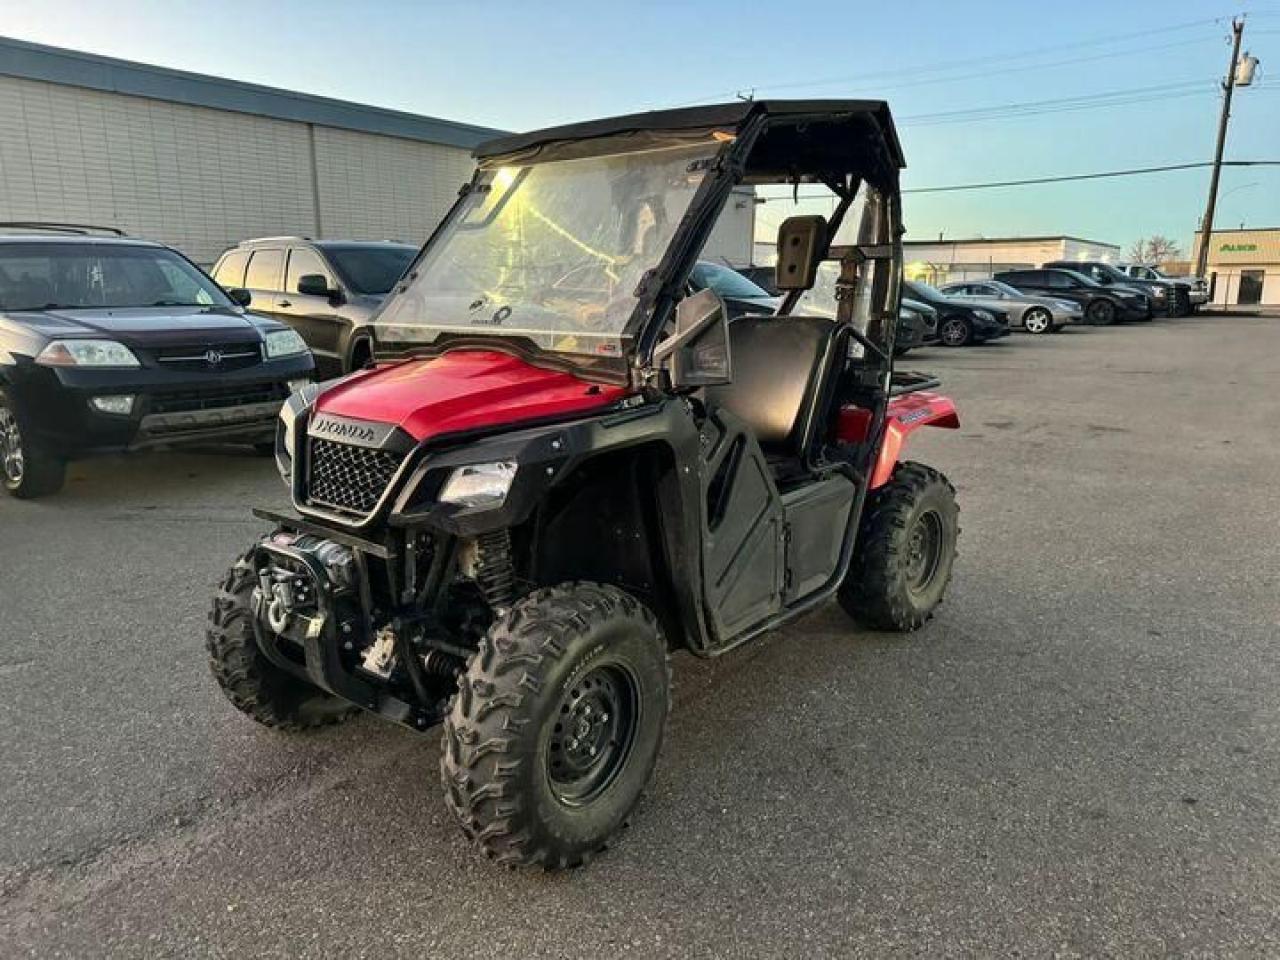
[(52, 275), (551, 252), (725, 281)]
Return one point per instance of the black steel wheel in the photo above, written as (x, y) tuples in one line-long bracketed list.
[(557, 724), (905, 552), (1037, 320), (1101, 312), (593, 737), (955, 332), (26, 471)]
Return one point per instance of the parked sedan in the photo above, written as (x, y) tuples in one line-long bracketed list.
[(917, 326), (1033, 314), (959, 323)]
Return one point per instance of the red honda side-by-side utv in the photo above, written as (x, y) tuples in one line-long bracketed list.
[(563, 465)]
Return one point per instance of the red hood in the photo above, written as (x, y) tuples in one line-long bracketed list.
[(462, 390)]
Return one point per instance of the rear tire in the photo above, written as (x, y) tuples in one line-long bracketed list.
[(254, 685), (557, 724), (1101, 313), (1037, 320), (26, 471), (906, 550)]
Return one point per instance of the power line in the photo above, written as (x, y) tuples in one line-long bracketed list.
[(1062, 104), (1063, 178), (881, 75)]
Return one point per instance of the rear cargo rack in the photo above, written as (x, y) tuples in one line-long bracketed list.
[(908, 381)]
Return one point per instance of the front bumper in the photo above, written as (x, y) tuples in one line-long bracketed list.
[(989, 329), (169, 406), (1062, 316), (1135, 311)]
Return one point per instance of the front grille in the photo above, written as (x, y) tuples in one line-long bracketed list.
[(209, 356), (347, 477), (212, 398)]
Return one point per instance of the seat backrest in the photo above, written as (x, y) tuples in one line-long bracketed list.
[(780, 368)]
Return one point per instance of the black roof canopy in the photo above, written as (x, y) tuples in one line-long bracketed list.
[(800, 136)]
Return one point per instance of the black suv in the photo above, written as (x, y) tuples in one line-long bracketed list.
[(110, 344), (959, 324), (324, 289), (1167, 296), (1102, 305)]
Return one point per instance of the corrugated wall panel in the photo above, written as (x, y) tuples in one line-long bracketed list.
[(383, 188), (202, 179)]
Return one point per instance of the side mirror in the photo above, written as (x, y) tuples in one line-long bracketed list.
[(314, 285), (697, 353), (239, 296)]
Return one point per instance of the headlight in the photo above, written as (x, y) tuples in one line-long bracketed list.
[(479, 484), (984, 315), (283, 343), (1160, 293), (87, 353)]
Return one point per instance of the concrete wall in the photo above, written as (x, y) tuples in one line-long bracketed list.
[(201, 178)]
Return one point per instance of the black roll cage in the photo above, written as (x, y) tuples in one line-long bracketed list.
[(863, 151)]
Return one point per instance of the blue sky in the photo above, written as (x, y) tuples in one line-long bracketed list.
[(520, 64)]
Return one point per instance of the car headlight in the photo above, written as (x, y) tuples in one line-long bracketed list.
[(87, 353), (283, 343), (479, 484), (984, 315), (1160, 293)]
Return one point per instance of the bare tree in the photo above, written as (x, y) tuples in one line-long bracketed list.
[(1155, 249)]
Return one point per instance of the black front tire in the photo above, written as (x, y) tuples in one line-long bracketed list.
[(534, 776), (254, 685), (26, 470), (955, 332), (906, 550), (1101, 313)]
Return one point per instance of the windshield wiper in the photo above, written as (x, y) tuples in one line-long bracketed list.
[(177, 303)]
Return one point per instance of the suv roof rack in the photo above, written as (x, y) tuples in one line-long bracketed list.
[(287, 236), (82, 229)]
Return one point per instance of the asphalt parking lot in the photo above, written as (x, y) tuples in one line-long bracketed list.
[(1079, 756)]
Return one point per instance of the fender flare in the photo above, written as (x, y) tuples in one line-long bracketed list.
[(905, 415)]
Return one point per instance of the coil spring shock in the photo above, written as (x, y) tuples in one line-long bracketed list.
[(494, 571)]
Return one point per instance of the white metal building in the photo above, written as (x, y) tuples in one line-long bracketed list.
[(940, 261), (201, 162)]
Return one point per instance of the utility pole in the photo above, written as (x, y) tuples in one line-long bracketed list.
[(1228, 87)]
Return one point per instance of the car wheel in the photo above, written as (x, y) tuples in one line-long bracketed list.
[(1102, 313), (1037, 320), (556, 727), (27, 471), (955, 332)]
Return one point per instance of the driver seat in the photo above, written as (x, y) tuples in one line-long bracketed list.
[(785, 372)]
